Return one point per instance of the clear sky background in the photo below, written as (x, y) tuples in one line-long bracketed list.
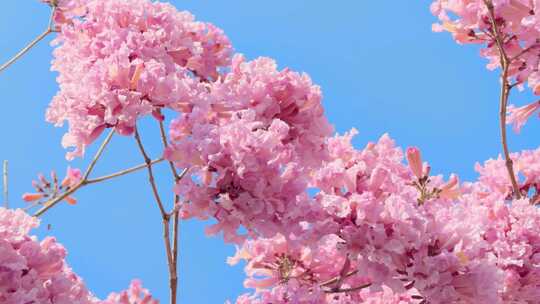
[(381, 70)]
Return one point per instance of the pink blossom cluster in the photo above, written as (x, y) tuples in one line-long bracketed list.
[(135, 294), (518, 25), (33, 271), (471, 248), (66, 10), (124, 59), (493, 184), (300, 273), (46, 190), (293, 293), (250, 143)]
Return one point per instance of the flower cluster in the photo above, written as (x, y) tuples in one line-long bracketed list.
[(125, 59), (66, 10), (250, 143), (291, 293), (47, 190), (135, 294), (510, 25), (289, 269), (33, 271), (459, 246), (493, 183)]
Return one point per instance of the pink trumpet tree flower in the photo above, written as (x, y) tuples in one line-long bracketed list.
[(519, 116)]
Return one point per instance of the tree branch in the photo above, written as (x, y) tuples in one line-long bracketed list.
[(177, 178), (51, 203), (151, 179), (165, 217), (32, 43), (343, 290), (121, 173), (505, 93), (336, 279)]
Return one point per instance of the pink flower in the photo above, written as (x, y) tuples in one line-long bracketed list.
[(73, 177), (519, 116), (415, 161), (30, 197), (33, 271), (518, 24), (450, 190), (135, 294)]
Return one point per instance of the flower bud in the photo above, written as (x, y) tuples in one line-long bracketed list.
[(30, 197), (415, 161)]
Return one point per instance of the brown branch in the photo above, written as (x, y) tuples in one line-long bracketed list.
[(98, 180), (165, 217), (151, 179), (41, 36), (524, 51), (505, 93), (51, 203), (170, 261), (121, 173), (174, 278), (336, 279), (343, 290), (166, 144), (177, 178)]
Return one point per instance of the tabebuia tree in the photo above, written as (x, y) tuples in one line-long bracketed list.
[(249, 143)]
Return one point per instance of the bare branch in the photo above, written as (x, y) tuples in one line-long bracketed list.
[(49, 30), (121, 173), (165, 217), (174, 271), (343, 290), (334, 280), (151, 179), (505, 93)]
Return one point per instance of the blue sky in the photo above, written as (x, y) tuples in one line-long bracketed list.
[(381, 70)]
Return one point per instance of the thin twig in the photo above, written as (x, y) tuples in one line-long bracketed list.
[(334, 280), (49, 204), (151, 179), (170, 260), (165, 217), (101, 179), (98, 155), (525, 50), (41, 36), (343, 290), (166, 144), (174, 280), (177, 178), (505, 92), (121, 173)]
